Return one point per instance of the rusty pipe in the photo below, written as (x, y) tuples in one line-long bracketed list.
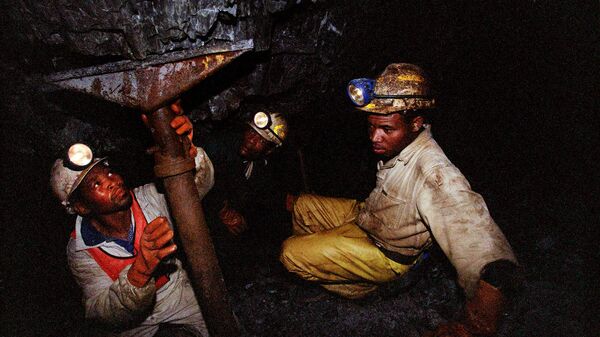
[(173, 165)]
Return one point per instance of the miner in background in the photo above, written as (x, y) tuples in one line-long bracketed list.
[(420, 197), (246, 207), (245, 180), (120, 251)]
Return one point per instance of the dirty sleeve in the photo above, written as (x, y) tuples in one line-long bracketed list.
[(204, 177), (115, 304), (461, 224)]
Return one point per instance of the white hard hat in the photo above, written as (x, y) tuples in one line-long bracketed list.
[(64, 180), (272, 126)]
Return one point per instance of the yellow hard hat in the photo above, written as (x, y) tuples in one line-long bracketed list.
[(401, 86)]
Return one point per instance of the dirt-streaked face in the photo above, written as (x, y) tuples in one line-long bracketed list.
[(254, 146), (390, 134), (103, 191)]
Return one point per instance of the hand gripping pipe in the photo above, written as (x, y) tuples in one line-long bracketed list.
[(173, 165)]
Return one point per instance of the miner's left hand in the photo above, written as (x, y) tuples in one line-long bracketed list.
[(183, 126)]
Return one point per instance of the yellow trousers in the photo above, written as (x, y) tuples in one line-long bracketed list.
[(328, 247)]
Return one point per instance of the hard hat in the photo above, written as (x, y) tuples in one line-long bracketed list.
[(66, 174), (401, 86), (272, 126)]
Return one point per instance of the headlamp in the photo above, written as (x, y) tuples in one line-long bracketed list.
[(262, 120), (362, 91), (79, 157)]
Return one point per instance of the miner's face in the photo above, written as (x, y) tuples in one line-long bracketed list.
[(103, 191), (390, 134), (254, 146)]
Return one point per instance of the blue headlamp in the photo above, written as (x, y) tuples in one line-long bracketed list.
[(362, 91)]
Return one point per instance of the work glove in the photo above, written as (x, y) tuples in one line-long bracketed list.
[(482, 313), (155, 244), (232, 219), (181, 124)]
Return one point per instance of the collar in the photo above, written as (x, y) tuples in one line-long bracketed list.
[(406, 155), (92, 237), (89, 234), (262, 161), (249, 166)]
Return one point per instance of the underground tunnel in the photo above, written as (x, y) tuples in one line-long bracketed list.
[(516, 92)]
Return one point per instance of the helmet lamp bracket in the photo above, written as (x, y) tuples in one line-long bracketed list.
[(262, 120), (361, 92)]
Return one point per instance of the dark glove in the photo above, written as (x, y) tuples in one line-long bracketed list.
[(482, 313)]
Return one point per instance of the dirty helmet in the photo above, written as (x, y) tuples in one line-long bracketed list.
[(67, 173), (272, 126), (401, 87)]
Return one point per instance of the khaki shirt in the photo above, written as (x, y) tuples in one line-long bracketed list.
[(420, 195)]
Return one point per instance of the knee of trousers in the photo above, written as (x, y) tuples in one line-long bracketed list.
[(291, 252), (302, 198), (306, 201)]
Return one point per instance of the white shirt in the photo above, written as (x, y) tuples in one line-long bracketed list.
[(118, 303)]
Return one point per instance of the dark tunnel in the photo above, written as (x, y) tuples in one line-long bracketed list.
[(516, 84)]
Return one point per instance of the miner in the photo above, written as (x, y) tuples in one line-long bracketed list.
[(246, 185), (121, 250), (420, 198)]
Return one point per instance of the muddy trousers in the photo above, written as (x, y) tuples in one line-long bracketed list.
[(328, 247)]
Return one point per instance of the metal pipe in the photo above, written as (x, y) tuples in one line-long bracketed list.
[(175, 167)]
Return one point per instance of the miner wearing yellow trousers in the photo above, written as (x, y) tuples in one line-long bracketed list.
[(420, 198)]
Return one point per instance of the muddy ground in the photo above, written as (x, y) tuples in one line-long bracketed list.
[(558, 299)]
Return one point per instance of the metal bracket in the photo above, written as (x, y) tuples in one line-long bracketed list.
[(149, 84)]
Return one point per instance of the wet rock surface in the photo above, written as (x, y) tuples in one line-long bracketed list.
[(137, 29)]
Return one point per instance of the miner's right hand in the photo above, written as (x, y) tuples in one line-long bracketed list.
[(156, 244)]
